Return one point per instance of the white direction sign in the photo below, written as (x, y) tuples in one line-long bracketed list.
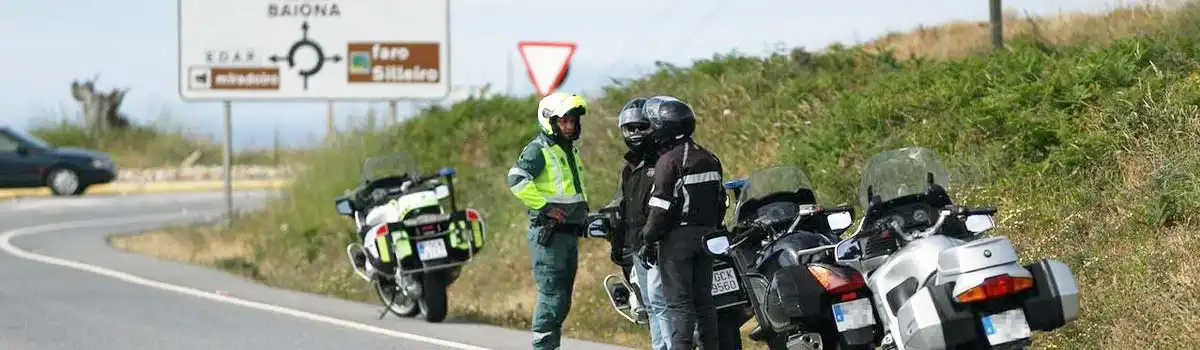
[(314, 50), (546, 63)]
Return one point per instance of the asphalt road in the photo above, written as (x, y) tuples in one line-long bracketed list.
[(64, 287)]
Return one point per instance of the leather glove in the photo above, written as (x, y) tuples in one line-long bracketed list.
[(616, 256), (649, 255), (555, 213)]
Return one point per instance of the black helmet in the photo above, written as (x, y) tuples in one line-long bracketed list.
[(669, 118), (637, 138)]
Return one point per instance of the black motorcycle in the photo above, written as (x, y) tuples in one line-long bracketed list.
[(782, 255)]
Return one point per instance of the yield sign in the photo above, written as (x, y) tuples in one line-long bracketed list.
[(546, 63)]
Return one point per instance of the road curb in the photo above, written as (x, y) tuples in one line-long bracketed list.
[(153, 187)]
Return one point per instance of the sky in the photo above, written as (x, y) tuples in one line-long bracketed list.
[(133, 43)]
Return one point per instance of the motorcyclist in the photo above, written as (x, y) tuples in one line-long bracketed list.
[(633, 192), (548, 179), (687, 202)]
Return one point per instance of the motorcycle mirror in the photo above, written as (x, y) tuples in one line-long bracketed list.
[(717, 245), (847, 251), (442, 191), (979, 223), (839, 221), (598, 228), (343, 206)]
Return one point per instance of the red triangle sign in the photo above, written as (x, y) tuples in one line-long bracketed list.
[(546, 63)]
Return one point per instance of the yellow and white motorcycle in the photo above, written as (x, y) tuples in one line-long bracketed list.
[(412, 246)]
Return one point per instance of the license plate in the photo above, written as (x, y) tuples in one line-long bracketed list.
[(724, 281), (431, 249), (1005, 326), (853, 314)]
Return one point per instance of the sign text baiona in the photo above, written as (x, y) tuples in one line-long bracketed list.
[(313, 50), (286, 9)]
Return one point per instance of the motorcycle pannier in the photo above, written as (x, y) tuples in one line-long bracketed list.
[(1054, 300), (795, 293)]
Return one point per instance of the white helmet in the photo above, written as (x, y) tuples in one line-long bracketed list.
[(557, 105)]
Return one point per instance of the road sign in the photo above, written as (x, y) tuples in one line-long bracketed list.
[(547, 63), (314, 50)]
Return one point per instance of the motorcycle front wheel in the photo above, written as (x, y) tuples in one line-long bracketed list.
[(403, 307)]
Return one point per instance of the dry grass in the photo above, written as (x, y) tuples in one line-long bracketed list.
[(1089, 154), (963, 38)]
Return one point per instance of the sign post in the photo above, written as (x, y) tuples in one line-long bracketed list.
[(547, 63), (320, 50), (227, 161)]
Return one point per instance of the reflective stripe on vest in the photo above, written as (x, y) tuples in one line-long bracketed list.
[(555, 182)]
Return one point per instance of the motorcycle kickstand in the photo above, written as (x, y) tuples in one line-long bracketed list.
[(392, 301)]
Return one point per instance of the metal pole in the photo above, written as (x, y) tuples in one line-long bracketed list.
[(227, 158), (997, 24), (329, 129), (508, 79)]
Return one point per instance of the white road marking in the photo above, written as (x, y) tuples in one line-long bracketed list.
[(7, 246)]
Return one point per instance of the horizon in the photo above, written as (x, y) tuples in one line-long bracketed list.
[(131, 48)]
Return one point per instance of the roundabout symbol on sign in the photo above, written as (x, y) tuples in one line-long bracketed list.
[(305, 41)]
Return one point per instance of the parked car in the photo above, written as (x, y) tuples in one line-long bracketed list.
[(27, 161)]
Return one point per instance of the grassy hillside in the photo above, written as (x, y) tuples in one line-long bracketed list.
[(1087, 146), (146, 146)]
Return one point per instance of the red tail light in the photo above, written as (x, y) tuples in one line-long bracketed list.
[(995, 287), (382, 230), (472, 215), (837, 281)]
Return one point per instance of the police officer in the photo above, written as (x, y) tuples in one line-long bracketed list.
[(636, 180), (687, 201), (548, 179)]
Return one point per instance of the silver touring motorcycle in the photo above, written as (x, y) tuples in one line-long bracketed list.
[(937, 282)]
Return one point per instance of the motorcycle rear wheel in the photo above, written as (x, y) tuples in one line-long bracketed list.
[(433, 296)]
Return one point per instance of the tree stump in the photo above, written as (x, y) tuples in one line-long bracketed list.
[(99, 109)]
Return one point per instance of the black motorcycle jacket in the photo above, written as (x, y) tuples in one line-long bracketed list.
[(687, 190), (633, 192)]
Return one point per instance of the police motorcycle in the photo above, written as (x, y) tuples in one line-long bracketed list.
[(781, 259), (937, 283), (412, 246)]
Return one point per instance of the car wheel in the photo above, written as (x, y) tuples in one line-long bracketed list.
[(64, 182)]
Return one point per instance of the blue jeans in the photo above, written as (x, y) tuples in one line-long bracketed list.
[(656, 304)]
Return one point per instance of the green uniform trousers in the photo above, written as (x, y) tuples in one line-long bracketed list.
[(554, 272)]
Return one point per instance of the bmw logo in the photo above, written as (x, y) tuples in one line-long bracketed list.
[(987, 253)]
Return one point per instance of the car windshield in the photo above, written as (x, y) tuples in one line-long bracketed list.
[(900, 172), (774, 180), (393, 164), (29, 139)]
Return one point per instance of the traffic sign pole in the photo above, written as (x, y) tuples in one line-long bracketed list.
[(227, 159)]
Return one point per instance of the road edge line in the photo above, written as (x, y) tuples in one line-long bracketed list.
[(7, 246)]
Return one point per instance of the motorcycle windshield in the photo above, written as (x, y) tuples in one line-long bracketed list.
[(899, 173), (393, 164), (782, 179)]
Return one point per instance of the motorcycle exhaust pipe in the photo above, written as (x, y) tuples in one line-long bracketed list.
[(614, 290), (350, 256)]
